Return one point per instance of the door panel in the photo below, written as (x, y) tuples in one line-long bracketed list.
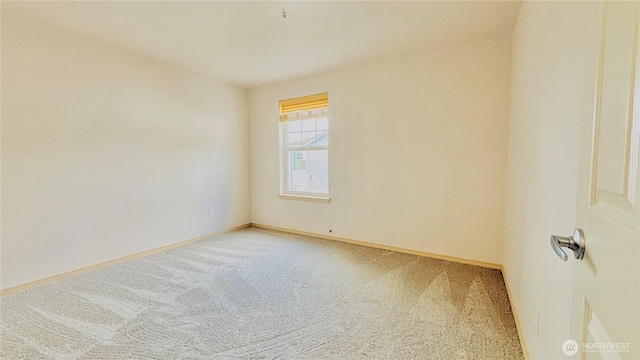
[(605, 302), (615, 159)]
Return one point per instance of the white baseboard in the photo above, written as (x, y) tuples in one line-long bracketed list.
[(515, 316), (31, 284), (386, 247)]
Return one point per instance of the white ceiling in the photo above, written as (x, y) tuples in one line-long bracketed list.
[(249, 44)]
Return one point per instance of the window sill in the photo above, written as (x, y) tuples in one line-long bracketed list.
[(315, 199)]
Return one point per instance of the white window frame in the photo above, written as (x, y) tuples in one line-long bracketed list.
[(287, 194)]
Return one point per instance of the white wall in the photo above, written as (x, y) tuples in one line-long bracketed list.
[(418, 152), (106, 153), (546, 104)]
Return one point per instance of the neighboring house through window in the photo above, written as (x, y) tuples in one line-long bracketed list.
[(304, 146)]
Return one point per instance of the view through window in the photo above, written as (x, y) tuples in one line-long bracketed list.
[(305, 146)]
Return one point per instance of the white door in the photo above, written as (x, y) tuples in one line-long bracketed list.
[(606, 283)]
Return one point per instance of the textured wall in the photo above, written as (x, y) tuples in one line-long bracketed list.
[(417, 151), (105, 153), (546, 106)]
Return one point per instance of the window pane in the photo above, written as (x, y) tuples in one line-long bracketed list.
[(293, 126), (298, 171), (309, 171), (309, 125), (323, 124), (293, 139), (308, 138), (323, 138), (319, 171)]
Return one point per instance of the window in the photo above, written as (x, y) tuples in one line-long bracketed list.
[(304, 147)]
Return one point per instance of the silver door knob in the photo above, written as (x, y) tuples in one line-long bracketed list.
[(575, 243)]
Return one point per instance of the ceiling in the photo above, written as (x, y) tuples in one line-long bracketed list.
[(249, 44)]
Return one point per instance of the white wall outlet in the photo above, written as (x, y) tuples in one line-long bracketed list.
[(536, 320), (352, 217), (210, 214)]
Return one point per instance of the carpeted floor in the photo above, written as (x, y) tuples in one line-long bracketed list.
[(259, 294)]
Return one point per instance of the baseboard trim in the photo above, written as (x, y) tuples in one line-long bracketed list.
[(384, 247), (31, 284), (515, 316)]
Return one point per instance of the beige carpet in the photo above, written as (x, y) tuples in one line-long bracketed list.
[(258, 294)]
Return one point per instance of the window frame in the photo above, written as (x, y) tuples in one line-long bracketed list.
[(285, 149)]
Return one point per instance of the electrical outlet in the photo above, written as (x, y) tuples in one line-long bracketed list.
[(536, 320), (210, 214), (352, 217)]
